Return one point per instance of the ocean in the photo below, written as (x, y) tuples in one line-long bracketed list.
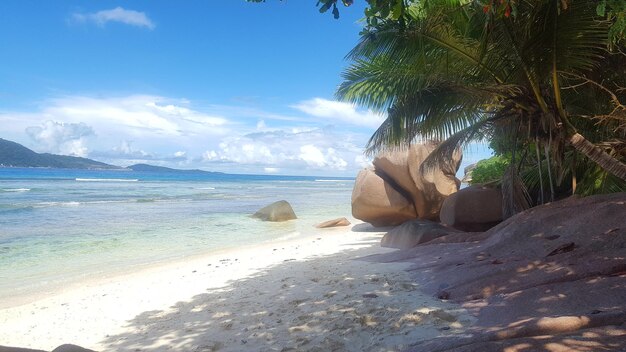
[(60, 226)]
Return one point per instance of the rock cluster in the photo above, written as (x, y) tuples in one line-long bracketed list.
[(553, 275), (400, 187)]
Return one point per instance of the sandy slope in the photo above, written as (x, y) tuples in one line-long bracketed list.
[(308, 294)]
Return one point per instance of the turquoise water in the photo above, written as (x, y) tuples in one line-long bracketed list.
[(58, 226)]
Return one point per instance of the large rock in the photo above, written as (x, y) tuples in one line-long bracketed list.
[(277, 211), (333, 223), (395, 166), (475, 208), (427, 187), (377, 202), (549, 273), (412, 233), (434, 184)]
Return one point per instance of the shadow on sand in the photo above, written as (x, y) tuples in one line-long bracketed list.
[(324, 303)]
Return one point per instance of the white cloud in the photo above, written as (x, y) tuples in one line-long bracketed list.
[(118, 14), (312, 155), (318, 150), (338, 111), (160, 128), (123, 151), (139, 113), (58, 137), (175, 132), (362, 161)]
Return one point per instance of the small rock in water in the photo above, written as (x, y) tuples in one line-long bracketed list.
[(277, 211), (333, 223)]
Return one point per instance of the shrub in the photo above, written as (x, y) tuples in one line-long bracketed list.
[(489, 170)]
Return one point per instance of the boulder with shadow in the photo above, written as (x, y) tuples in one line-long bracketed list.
[(475, 208), (413, 233), (376, 201), (277, 211), (434, 182), (400, 187)]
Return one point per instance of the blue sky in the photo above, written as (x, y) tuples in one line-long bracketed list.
[(219, 85)]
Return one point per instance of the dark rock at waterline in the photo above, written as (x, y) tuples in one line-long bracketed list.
[(277, 211)]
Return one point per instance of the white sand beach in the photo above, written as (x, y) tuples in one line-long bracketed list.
[(309, 294)]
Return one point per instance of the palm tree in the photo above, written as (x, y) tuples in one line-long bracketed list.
[(458, 72)]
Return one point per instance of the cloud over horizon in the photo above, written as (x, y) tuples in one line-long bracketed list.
[(174, 132), (61, 138), (118, 14), (295, 149), (339, 111)]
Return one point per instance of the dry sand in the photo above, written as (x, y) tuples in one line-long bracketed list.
[(310, 294)]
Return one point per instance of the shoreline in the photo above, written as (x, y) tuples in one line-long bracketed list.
[(299, 294), (79, 280)]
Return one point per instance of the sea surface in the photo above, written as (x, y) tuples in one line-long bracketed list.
[(59, 226)]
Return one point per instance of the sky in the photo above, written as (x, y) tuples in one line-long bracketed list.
[(226, 86)]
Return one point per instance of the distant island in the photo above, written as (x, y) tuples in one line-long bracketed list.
[(162, 169), (16, 155), (13, 154)]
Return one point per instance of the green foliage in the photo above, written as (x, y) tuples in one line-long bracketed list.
[(380, 12), (458, 72), (490, 170), (614, 11)]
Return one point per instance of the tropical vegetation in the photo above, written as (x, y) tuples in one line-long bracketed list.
[(543, 81)]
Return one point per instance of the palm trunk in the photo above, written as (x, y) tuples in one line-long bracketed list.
[(574, 181), (545, 149), (597, 155), (539, 169)]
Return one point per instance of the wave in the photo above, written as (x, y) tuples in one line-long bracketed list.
[(106, 179), (15, 189), (331, 180), (206, 188), (14, 208), (146, 200), (51, 204)]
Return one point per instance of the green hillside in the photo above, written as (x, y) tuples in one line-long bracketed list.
[(16, 155)]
